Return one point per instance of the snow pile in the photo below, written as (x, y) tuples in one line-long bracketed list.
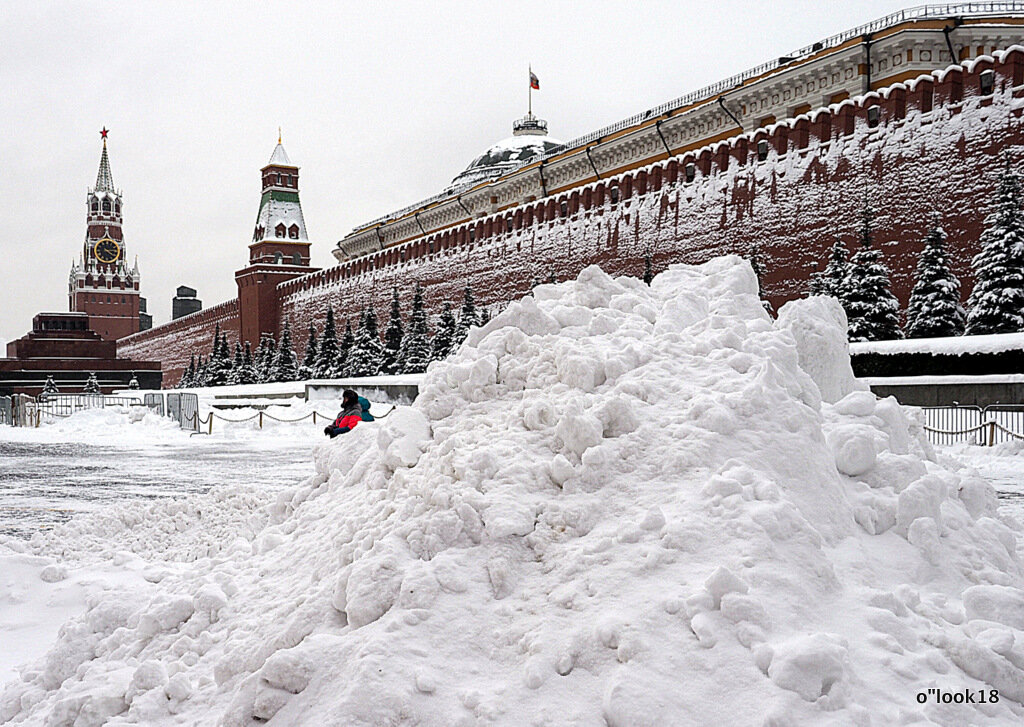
[(615, 505), (113, 424)]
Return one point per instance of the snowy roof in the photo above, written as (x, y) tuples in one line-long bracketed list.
[(505, 155), (278, 207), (955, 345), (280, 157)]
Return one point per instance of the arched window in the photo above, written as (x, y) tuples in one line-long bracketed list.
[(278, 258), (293, 232), (117, 207), (296, 259), (95, 205), (106, 205), (279, 230)]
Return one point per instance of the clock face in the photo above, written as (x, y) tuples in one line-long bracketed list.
[(107, 250)]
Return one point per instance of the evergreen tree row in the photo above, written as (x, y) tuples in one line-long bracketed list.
[(405, 348), (996, 303)]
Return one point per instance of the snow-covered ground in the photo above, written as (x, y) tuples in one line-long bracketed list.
[(614, 505)]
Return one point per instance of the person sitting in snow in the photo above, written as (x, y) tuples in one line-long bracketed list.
[(354, 409)]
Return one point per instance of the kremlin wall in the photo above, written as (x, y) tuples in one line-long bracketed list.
[(687, 182)]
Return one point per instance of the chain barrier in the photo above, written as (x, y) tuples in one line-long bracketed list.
[(989, 424)]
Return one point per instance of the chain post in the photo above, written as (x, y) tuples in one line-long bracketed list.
[(261, 419), (991, 433), (209, 429)]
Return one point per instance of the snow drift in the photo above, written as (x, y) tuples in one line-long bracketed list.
[(616, 505)]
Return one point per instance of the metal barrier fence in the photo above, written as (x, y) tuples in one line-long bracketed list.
[(184, 409), (154, 402), (6, 411), (988, 426), (64, 405)]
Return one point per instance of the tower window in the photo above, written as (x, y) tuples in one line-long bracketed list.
[(987, 81), (874, 116), (95, 205), (278, 258), (117, 207), (563, 209), (762, 150), (691, 172), (279, 230), (279, 179), (106, 205), (293, 232), (296, 259), (614, 194), (108, 298)]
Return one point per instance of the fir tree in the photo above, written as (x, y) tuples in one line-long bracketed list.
[(327, 357), (236, 367), (830, 280), (92, 386), (308, 368), (50, 387), (996, 304), (467, 317), (871, 308), (217, 365), (485, 317), (200, 379), (348, 342), (444, 337), (415, 353), (551, 278), (934, 309), (246, 373), (285, 366), (265, 358), (367, 353), (648, 275), (393, 338), (134, 382), (534, 282), (188, 378)]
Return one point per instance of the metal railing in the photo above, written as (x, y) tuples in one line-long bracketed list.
[(6, 411), (987, 426), (64, 405)]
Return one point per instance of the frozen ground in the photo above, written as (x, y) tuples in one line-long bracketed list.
[(615, 506)]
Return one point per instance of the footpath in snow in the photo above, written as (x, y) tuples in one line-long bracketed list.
[(616, 505)]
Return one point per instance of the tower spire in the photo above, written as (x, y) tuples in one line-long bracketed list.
[(104, 179)]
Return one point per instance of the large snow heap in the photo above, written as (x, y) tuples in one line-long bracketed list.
[(615, 505)]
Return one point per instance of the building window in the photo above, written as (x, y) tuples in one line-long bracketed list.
[(123, 299), (279, 179), (508, 224), (691, 172), (108, 298), (106, 205), (988, 82), (296, 259), (762, 150), (874, 116), (472, 234), (95, 205), (278, 258), (563, 209), (613, 193), (117, 208), (279, 231), (293, 232)]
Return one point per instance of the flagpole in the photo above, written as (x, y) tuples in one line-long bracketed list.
[(529, 95)]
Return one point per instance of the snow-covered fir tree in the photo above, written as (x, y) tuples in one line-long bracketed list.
[(648, 275), (307, 368), (50, 387), (134, 382), (871, 308), (485, 316), (830, 280), (286, 367), (367, 354), (218, 365), (236, 367), (345, 346), (552, 278), (327, 356), (393, 338), (444, 336), (266, 356), (934, 308), (189, 374), (92, 386), (996, 304), (246, 374), (199, 380), (415, 353), (467, 316)]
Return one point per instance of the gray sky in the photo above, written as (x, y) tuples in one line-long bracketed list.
[(381, 105)]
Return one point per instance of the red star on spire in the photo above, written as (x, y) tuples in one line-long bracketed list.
[(104, 133)]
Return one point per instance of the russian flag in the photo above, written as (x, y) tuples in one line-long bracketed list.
[(534, 81)]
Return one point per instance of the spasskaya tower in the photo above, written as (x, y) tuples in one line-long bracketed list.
[(101, 283)]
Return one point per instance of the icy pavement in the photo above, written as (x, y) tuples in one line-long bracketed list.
[(42, 484), (1002, 466)]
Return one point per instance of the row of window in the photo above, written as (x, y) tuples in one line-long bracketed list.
[(281, 180), (280, 231), (92, 299), (106, 206)]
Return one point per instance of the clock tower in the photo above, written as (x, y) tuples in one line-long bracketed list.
[(101, 283)]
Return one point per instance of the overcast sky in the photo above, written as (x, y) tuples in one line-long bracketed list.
[(381, 104)]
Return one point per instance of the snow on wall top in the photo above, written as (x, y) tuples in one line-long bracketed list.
[(957, 345), (611, 490)]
